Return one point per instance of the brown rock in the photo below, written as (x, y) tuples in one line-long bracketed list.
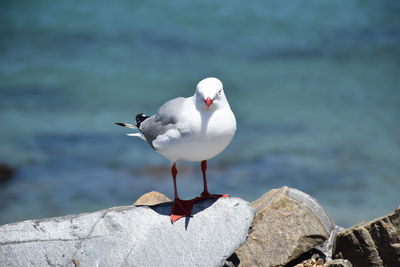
[(338, 263), (6, 173), (374, 243), (151, 198), (319, 262), (315, 261), (288, 223)]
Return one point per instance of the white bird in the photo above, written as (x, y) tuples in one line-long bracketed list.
[(195, 128)]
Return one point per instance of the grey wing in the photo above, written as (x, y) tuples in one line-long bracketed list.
[(164, 120)]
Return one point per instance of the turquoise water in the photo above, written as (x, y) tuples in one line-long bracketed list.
[(314, 86)]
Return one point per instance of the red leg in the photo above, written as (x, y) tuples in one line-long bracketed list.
[(174, 172), (203, 170), (181, 208), (205, 193)]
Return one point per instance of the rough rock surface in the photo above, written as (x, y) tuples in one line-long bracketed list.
[(316, 261), (374, 243), (130, 236), (338, 263), (288, 223), (151, 198)]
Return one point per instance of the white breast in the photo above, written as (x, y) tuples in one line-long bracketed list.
[(199, 135)]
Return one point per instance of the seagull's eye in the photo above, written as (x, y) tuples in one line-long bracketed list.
[(219, 92)]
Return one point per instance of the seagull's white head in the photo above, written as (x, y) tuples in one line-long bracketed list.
[(210, 93)]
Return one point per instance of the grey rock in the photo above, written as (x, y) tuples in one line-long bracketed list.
[(287, 224), (338, 263), (130, 236), (374, 243), (327, 247)]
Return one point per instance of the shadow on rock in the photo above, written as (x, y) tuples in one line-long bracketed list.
[(199, 206)]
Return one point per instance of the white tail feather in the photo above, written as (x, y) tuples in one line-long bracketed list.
[(140, 135), (131, 126)]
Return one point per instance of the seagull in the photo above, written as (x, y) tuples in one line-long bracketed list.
[(194, 129)]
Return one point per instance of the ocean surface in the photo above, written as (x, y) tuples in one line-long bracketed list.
[(315, 86)]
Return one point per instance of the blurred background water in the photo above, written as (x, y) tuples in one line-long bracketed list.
[(314, 86)]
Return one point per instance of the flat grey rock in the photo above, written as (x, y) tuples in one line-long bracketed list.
[(130, 236)]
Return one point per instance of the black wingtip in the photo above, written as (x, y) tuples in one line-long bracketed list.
[(120, 124), (140, 118)]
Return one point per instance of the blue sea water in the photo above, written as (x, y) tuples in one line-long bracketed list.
[(314, 86)]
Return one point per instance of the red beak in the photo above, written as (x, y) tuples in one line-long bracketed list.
[(208, 102)]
